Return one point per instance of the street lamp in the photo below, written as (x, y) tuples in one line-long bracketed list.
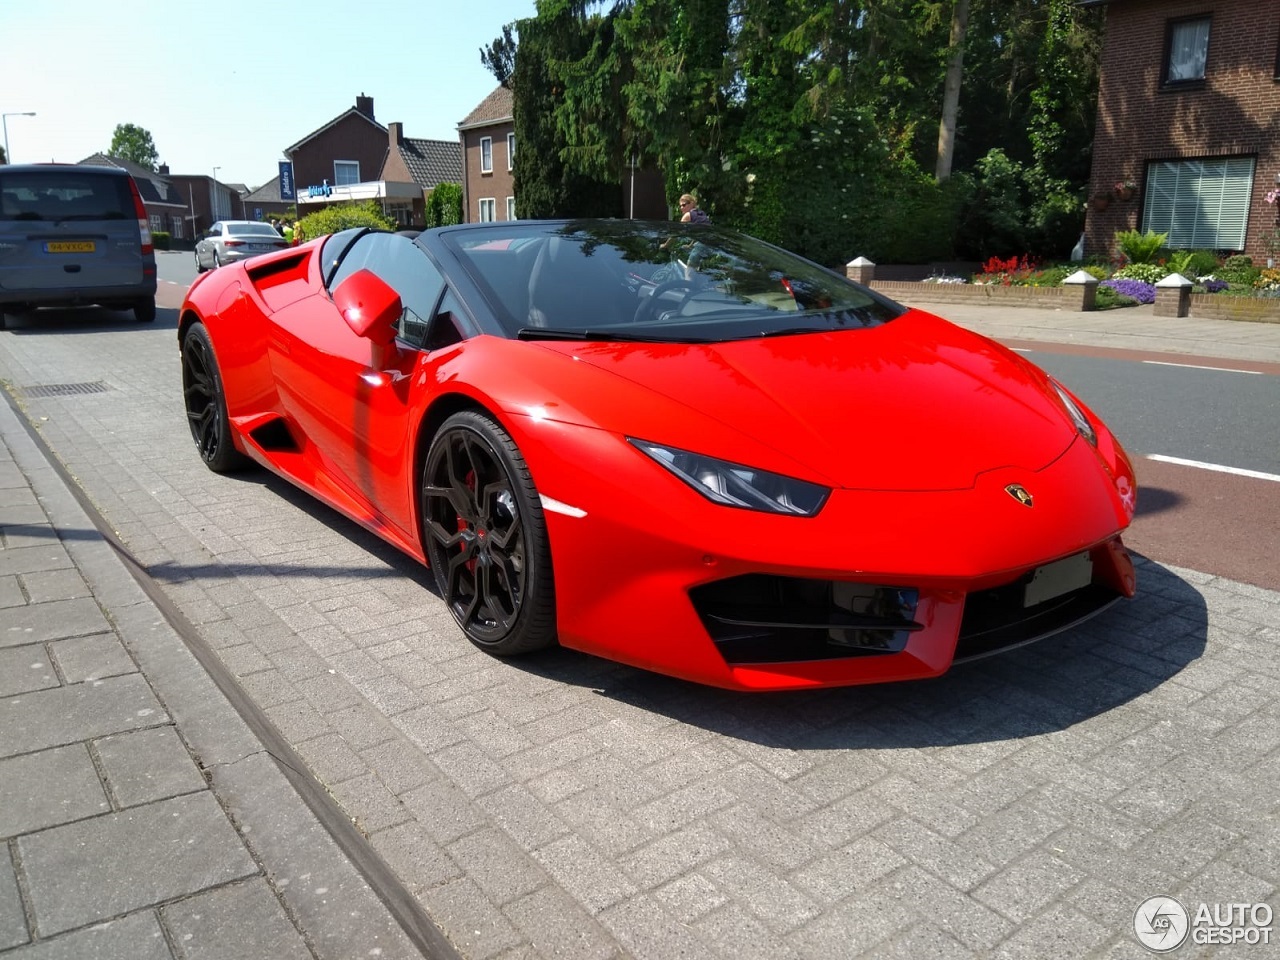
[(217, 199), (4, 121)]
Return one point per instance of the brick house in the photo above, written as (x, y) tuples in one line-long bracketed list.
[(165, 200), (1189, 113), (424, 163), (355, 158), (207, 200), (488, 136), (488, 155)]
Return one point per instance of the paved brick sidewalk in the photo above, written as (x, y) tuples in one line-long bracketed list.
[(139, 817), (1020, 807)]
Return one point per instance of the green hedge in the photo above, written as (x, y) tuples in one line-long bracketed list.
[(161, 240)]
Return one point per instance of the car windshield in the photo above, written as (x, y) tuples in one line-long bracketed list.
[(252, 229), (655, 281)]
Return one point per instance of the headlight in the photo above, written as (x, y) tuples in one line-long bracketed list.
[(737, 486), (1077, 415)]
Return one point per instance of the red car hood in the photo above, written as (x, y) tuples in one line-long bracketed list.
[(915, 404)]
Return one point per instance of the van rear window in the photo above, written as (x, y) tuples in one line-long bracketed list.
[(64, 195)]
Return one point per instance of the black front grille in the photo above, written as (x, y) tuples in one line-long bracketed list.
[(997, 619), (759, 618)]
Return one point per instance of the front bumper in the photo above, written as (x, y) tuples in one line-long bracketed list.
[(665, 580)]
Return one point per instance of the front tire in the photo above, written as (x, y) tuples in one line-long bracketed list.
[(486, 537), (206, 403), (200, 267)]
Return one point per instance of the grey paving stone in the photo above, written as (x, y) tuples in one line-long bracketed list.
[(45, 585), (39, 790), (87, 871), (49, 718), (91, 658), (13, 923), (11, 594), (556, 926), (322, 890), (23, 669), (15, 535), (478, 928), (242, 921), (38, 622), (417, 859), (369, 803), (498, 866), (147, 765), (135, 937), (585, 873)]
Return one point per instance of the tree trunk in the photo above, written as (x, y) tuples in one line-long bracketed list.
[(951, 90)]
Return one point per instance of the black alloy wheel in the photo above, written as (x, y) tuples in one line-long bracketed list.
[(486, 537), (206, 404)]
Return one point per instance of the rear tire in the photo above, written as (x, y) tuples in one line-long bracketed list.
[(486, 537), (144, 311), (206, 403)]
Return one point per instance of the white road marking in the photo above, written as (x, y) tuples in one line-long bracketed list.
[(1257, 474), (1196, 366)]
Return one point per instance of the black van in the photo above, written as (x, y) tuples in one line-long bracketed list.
[(72, 235)]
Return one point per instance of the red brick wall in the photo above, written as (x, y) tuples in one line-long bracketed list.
[(499, 184), (351, 138), (1235, 112)]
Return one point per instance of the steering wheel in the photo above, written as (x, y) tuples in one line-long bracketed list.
[(648, 308)]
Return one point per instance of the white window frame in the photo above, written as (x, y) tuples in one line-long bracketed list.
[(347, 165), (1202, 204), (511, 153), (511, 208), (156, 223), (487, 205), (1186, 50), (486, 154)]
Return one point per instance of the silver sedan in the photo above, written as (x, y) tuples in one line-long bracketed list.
[(230, 240)]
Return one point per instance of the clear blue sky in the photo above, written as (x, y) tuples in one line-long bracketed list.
[(232, 84)]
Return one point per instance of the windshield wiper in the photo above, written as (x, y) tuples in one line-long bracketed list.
[(604, 336), (794, 331)]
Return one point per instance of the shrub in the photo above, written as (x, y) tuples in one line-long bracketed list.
[(1238, 269), (161, 239), (1108, 299), (444, 205), (1137, 289), (1201, 263), (1146, 272), (345, 215), (1140, 247)]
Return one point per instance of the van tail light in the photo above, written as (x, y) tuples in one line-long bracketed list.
[(144, 228)]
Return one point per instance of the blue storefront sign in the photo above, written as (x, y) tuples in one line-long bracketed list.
[(287, 191)]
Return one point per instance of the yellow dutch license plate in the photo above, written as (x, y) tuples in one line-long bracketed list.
[(70, 246)]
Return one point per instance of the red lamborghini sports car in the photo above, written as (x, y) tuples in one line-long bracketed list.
[(670, 445)]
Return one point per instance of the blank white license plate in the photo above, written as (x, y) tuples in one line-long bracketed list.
[(1055, 579)]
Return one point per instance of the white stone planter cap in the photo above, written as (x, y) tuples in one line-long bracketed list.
[(1175, 280), (1081, 276), (860, 262)]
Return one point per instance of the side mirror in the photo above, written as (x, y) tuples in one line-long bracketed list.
[(370, 307)]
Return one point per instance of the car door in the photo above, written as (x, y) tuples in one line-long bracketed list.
[(353, 398)]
